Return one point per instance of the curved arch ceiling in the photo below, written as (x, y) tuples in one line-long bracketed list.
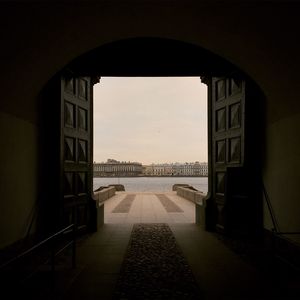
[(150, 57)]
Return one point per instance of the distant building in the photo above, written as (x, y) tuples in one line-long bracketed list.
[(200, 169), (114, 168), (177, 169)]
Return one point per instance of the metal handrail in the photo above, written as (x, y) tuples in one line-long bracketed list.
[(287, 233), (276, 229), (271, 211), (53, 252), (276, 232)]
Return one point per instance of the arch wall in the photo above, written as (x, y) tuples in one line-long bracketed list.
[(40, 38)]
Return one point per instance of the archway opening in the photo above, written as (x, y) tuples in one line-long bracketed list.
[(150, 136)]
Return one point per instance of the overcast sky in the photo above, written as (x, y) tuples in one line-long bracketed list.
[(150, 120)]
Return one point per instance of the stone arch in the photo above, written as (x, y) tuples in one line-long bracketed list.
[(144, 56)]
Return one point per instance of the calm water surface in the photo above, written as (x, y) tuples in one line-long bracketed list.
[(152, 184)]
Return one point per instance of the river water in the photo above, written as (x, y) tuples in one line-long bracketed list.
[(151, 184)]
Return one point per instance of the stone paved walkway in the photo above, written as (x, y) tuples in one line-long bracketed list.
[(154, 267), (148, 208), (219, 272)]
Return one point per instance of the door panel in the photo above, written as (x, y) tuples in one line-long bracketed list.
[(76, 149), (228, 103)]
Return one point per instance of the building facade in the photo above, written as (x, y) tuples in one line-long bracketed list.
[(177, 169), (114, 168)]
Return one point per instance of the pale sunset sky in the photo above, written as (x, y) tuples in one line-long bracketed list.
[(150, 119)]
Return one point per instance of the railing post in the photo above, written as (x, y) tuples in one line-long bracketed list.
[(74, 247), (52, 262)]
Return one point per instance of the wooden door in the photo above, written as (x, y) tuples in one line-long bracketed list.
[(76, 150), (227, 141)]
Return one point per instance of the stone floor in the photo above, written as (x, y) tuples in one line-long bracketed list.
[(220, 273), (154, 267), (147, 208)]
